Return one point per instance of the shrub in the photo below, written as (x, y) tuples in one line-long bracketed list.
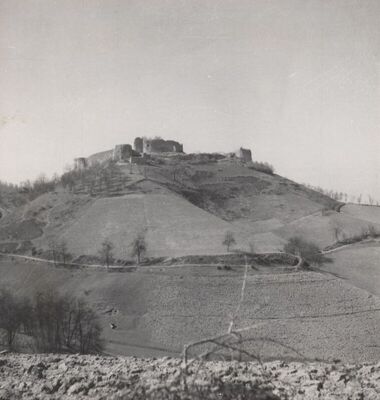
[(308, 251)]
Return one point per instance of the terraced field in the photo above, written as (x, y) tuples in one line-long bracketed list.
[(158, 309)]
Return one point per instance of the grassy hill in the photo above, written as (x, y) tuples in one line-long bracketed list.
[(363, 212), (184, 206)]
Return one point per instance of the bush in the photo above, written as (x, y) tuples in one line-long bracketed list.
[(308, 251)]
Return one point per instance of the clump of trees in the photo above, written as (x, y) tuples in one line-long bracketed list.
[(308, 251), (54, 323), (39, 186), (335, 195), (96, 178), (16, 195), (59, 251), (229, 240)]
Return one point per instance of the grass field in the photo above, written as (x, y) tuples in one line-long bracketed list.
[(320, 228), (366, 213), (158, 309), (172, 225), (359, 264)]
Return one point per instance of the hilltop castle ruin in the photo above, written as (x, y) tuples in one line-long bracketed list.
[(144, 148)]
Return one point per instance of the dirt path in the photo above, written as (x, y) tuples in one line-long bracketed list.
[(44, 260)]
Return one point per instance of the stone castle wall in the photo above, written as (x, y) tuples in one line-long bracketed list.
[(143, 147), (244, 154), (100, 157), (149, 146)]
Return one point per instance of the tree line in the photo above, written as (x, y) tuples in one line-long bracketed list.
[(344, 197)]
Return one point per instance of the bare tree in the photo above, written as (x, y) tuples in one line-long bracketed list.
[(63, 251), (64, 323), (139, 247), (10, 320), (106, 252), (337, 232), (54, 250), (229, 240)]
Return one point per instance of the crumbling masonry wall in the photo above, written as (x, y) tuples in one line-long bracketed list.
[(149, 146), (244, 154), (122, 152)]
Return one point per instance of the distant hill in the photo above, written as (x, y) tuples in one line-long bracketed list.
[(183, 204)]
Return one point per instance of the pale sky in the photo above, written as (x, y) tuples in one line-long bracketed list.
[(297, 81)]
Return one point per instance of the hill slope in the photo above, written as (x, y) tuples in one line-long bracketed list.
[(184, 207)]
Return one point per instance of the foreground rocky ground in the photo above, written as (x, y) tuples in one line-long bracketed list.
[(100, 377)]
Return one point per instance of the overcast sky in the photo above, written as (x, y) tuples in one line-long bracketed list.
[(296, 81)]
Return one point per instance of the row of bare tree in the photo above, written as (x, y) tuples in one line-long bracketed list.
[(138, 249), (60, 254), (344, 197)]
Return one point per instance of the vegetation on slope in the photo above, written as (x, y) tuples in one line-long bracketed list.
[(246, 199)]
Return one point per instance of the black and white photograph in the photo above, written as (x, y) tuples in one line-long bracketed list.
[(190, 199)]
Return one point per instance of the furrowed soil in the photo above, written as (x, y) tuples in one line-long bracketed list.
[(158, 309)]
